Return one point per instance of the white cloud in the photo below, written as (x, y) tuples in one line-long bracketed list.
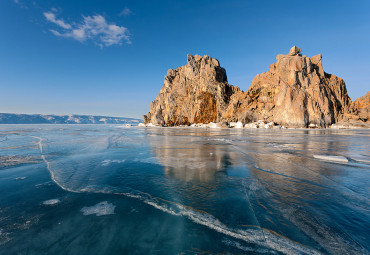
[(125, 12), (94, 28), (50, 16)]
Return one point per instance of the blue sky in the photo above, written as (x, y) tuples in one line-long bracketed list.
[(110, 57)]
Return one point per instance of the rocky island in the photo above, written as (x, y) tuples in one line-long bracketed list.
[(295, 92)]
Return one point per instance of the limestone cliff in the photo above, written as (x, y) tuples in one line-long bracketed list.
[(295, 92)]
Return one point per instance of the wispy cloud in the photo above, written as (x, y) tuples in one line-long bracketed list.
[(125, 12), (95, 28), (50, 16)]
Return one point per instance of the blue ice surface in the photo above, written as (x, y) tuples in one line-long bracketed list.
[(107, 189)]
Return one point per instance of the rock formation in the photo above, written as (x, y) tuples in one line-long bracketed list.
[(195, 93), (358, 114), (362, 105), (295, 92)]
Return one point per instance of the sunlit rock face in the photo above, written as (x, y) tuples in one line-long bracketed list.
[(358, 115), (295, 92), (195, 93), (362, 106)]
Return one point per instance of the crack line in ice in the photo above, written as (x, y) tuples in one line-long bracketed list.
[(254, 164), (312, 171), (52, 175), (326, 177), (254, 213), (277, 243)]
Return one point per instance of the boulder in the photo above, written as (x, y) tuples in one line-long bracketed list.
[(294, 51)]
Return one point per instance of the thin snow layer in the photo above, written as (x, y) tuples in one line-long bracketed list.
[(107, 162), (100, 209), (51, 201), (246, 248), (20, 178), (339, 159)]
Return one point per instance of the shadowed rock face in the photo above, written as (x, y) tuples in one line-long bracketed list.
[(295, 92)]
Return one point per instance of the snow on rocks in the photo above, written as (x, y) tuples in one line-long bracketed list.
[(213, 125), (263, 124), (258, 124), (147, 125), (236, 125)]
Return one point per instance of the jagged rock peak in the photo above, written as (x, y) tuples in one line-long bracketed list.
[(196, 59)]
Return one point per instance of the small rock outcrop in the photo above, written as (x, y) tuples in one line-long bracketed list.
[(295, 92), (358, 115), (362, 105)]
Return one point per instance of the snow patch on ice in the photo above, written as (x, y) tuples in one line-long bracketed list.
[(107, 162), (100, 209), (339, 159), (51, 201), (245, 248), (20, 178)]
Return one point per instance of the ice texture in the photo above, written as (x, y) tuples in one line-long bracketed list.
[(100, 209), (272, 191)]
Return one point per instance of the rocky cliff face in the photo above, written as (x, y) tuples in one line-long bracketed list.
[(295, 92), (195, 93)]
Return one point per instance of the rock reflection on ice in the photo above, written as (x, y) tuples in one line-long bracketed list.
[(51, 201), (339, 159), (100, 209)]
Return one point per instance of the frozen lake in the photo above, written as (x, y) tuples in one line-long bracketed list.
[(105, 189)]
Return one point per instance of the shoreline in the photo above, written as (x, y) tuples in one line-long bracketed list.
[(253, 125)]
